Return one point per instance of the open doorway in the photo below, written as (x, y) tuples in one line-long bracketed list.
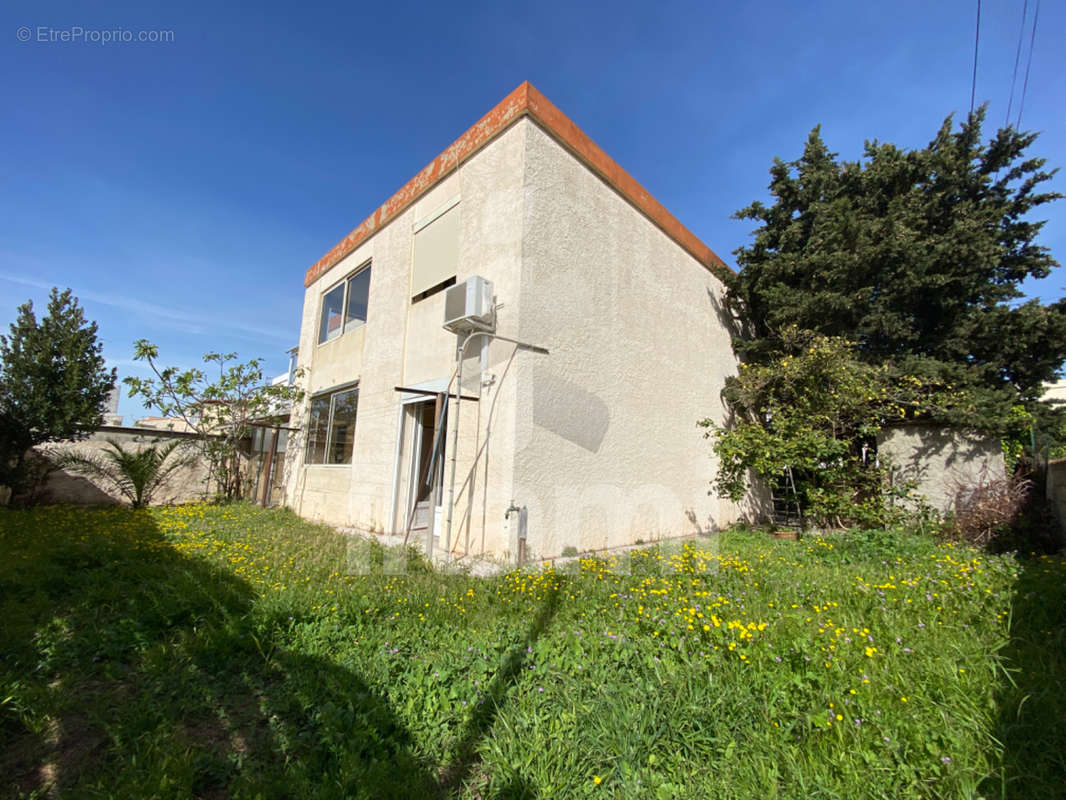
[(422, 448)]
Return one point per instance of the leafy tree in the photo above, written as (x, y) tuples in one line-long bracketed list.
[(220, 411), (816, 410), (53, 382), (917, 256), (136, 474)]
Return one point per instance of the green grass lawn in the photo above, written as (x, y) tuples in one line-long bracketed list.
[(230, 652)]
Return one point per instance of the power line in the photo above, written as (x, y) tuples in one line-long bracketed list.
[(1017, 56), (1028, 64), (976, 40)]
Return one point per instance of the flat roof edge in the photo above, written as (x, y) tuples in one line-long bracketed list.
[(523, 101)]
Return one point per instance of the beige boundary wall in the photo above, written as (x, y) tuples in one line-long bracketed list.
[(597, 440), (186, 485), (1056, 494), (941, 460)]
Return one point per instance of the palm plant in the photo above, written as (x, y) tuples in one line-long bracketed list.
[(136, 474)]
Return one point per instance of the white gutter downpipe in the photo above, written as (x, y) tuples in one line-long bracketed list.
[(458, 377)]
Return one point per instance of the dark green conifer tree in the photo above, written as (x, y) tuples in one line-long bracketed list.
[(917, 256), (53, 381)]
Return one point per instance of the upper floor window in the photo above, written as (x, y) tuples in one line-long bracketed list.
[(344, 306)]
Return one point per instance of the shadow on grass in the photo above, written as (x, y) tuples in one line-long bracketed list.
[(465, 759), (129, 669), (1032, 700)]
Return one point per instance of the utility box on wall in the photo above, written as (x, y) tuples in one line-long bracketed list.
[(468, 306)]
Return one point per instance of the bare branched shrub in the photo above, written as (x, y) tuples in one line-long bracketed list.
[(986, 507)]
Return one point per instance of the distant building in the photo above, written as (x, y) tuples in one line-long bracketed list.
[(269, 441), (165, 424), (1055, 392), (111, 415)]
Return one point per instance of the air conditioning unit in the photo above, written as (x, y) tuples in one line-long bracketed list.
[(468, 306)]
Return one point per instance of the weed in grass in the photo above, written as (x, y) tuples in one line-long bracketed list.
[(229, 650)]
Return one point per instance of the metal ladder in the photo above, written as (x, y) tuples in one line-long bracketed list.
[(785, 502)]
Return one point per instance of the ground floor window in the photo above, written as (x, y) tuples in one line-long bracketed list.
[(331, 427)]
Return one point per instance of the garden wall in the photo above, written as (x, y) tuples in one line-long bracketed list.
[(940, 460), (185, 485), (1056, 493)]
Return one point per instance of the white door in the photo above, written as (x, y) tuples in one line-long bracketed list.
[(424, 446)]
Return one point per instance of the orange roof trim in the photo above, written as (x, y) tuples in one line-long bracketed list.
[(523, 101)]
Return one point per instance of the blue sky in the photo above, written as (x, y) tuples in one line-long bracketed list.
[(183, 188)]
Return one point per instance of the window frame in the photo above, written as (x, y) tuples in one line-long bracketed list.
[(345, 325), (332, 393)]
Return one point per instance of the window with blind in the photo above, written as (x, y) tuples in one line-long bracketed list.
[(435, 259)]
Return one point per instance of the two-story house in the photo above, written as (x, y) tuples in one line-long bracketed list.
[(592, 444)]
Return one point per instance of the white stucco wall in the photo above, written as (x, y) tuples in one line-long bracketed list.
[(403, 344), (607, 450)]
